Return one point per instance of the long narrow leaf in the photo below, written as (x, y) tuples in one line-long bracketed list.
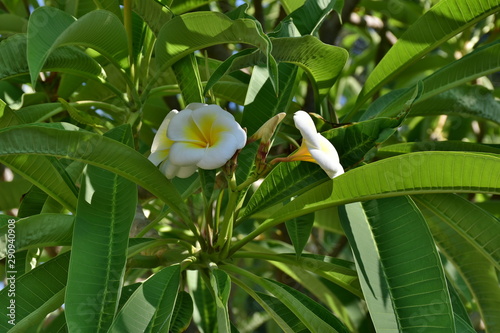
[(150, 307), (313, 315), (417, 173), (106, 209), (221, 286), (480, 276), (399, 267), (34, 297), (478, 227), (39, 231)]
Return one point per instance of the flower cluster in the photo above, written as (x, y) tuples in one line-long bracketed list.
[(206, 136)]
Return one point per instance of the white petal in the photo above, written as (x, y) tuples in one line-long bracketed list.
[(218, 154), (186, 154), (183, 128), (327, 158), (185, 172), (171, 170), (227, 120), (160, 140), (168, 169), (159, 156), (306, 126)]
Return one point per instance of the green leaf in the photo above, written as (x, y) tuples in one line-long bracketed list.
[(221, 286), (153, 13), (462, 319), (105, 211), (38, 112), (12, 24), (399, 267), (68, 59), (249, 58), (7, 116), (480, 276), (32, 202), (319, 291), (208, 179), (80, 116), (49, 28), (182, 314), (286, 320), (478, 227), (338, 271), (150, 307), (444, 20), (278, 309), (68, 141), (12, 192), (322, 62), (313, 315), (79, 8), (467, 101), (34, 296), (409, 147), (110, 5), (310, 15), (46, 173), (299, 230), (40, 231), (180, 7), (416, 173), (205, 308), (189, 32), (474, 101), (188, 77)]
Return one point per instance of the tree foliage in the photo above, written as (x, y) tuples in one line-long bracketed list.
[(94, 238)]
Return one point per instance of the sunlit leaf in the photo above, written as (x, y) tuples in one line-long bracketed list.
[(444, 20)]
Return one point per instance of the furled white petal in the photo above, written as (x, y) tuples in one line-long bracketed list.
[(186, 153), (171, 170), (319, 149), (327, 158), (218, 154), (306, 126)]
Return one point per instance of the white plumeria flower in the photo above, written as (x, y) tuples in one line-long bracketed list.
[(315, 147), (200, 136)]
